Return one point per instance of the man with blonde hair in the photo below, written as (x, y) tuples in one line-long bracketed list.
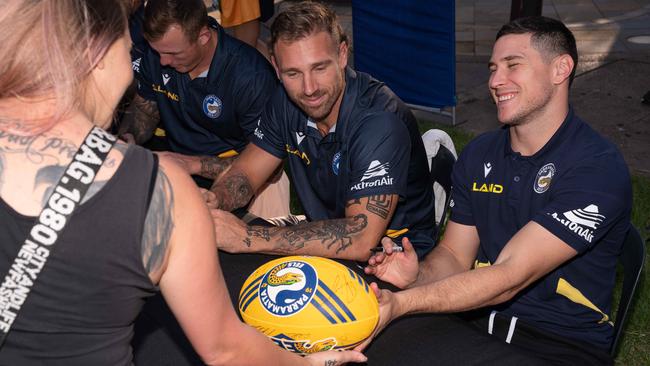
[(353, 148)]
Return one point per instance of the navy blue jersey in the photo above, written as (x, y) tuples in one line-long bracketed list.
[(578, 188), (374, 148), (139, 44), (212, 114)]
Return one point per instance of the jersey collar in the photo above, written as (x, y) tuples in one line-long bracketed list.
[(567, 128), (217, 65)]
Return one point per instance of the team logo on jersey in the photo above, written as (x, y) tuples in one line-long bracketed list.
[(336, 161), (288, 288), (212, 106), (582, 221), (487, 167), (166, 78), (375, 176), (543, 179)]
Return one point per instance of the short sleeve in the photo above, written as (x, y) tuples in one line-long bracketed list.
[(251, 99), (461, 209), (268, 132), (587, 202), (142, 70), (379, 151)]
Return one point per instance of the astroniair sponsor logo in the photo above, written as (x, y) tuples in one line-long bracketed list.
[(487, 188), (582, 221), (159, 89), (543, 179), (302, 155), (135, 64), (258, 132), (376, 170)]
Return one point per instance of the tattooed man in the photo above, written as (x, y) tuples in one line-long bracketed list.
[(200, 94), (353, 149)]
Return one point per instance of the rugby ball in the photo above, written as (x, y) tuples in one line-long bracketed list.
[(309, 304)]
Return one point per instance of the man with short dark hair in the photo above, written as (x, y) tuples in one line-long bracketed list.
[(540, 211), (206, 87), (354, 152)]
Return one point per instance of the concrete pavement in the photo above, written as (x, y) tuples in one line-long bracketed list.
[(612, 76)]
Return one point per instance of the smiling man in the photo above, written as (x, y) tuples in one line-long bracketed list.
[(354, 152), (540, 211)]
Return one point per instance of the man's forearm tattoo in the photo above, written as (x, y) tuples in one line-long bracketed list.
[(332, 234), (379, 205), (257, 232), (212, 166), (234, 191), (352, 202), (330, 363), (144, 120), (158, 224)]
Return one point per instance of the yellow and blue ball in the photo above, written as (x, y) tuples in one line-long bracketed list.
[(309, 304)]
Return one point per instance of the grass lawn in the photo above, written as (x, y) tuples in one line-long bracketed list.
[(635, 346)]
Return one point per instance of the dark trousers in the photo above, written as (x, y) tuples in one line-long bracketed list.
[(465, 339)]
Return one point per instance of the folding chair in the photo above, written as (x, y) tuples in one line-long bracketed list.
[(631, 258), (440, 149)]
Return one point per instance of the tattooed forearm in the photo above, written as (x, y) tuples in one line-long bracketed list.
[(142, 120), (379, 205), (352, 202), (233, 191), (212, 166), (257, 232), (334, 234), (158, 224)]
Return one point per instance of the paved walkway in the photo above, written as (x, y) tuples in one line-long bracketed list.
[(613, 72)]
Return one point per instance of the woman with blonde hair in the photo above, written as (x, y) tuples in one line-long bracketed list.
[(77, 268)]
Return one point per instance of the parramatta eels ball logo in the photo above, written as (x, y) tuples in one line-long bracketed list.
[(288, 288), (212, 106), (336, 161), (543, 178)]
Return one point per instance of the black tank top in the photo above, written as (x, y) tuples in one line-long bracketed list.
[(82, 308)]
